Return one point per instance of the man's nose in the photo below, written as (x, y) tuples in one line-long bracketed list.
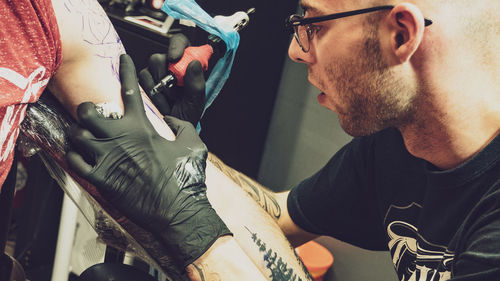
[(296, 53)]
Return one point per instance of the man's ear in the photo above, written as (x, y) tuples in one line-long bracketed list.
[(406, 24)]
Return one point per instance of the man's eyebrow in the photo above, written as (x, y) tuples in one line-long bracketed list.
[(309, 8)]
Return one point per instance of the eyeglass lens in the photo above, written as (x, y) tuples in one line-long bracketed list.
[(301, 34), (302, 37)]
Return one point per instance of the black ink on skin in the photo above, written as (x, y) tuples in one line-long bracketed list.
[(265, 197), (200, 272), (279, 269)]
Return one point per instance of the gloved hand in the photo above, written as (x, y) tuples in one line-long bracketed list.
[(185, 102), (156, 183)]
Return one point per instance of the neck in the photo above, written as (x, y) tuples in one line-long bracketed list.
[(450, 134)]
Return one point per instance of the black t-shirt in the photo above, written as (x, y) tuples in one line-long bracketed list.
[(437, 224)]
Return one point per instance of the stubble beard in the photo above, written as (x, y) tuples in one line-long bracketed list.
[(372, 96)]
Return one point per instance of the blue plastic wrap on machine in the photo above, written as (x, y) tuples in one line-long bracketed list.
[(190, 10)]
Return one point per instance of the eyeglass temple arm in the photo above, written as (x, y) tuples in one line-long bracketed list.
[(305, 21)]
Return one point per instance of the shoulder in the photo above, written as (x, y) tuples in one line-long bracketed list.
[(478, 242), (29, 35), (478, 245)]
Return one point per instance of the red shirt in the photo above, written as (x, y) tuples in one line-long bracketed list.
[(30, 53)]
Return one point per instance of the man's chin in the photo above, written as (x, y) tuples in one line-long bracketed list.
[(356, 128)]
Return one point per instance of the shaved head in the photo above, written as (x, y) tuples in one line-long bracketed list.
[(473, 26)]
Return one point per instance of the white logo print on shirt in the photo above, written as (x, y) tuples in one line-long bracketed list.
[(414, 258), (31, 86)]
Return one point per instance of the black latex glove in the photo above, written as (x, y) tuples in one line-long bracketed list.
[(156, 183), (185, 102)]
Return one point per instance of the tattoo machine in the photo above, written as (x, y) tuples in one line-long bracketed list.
[(177, 70)]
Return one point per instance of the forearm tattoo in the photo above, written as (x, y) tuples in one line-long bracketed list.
[(200, 271), (280, 270), (250, 186), (97, 31)]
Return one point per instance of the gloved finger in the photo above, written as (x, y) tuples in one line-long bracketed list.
[(194, 84), (161, 103), (146, 80), (91, 118), (184, 131), (147, 83), (130, 88), (157, 66), (77, 164), (174, 123), (176, 47), (85, 144)]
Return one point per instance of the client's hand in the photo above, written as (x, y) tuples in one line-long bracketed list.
[(185, 102), (156, 183)]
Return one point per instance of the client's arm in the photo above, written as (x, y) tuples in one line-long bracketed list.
[(91, 50)]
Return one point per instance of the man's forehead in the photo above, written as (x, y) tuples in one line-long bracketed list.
[(320, 7)]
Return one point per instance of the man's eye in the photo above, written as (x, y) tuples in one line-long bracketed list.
[(313, 29), (304, 12)]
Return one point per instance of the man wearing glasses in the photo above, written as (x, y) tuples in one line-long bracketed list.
[(416, 85)]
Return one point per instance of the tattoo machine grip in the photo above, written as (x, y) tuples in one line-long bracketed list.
[(200, 53)]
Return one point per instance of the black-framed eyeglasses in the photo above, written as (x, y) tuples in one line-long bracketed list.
[(303, 31)]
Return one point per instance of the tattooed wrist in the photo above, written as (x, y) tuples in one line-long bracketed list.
[(264, 198)]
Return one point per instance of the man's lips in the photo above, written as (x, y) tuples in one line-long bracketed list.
[(321, 98), (325, 102)]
